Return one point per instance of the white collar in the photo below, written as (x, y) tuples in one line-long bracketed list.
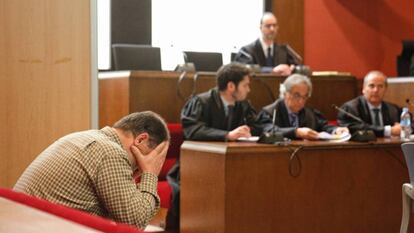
[(265, 46), (371, 107)]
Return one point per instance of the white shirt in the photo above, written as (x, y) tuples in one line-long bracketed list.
[(265, 46), (387, 128)]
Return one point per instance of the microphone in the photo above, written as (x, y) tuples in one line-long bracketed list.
[(296, 56), (246, 58), (408, 101), (274, 121), (361, 135), (272, 137), (348, 114), (247, 55), (300, 68)]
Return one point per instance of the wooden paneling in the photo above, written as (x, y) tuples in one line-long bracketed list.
[(44, 77), (116, 89), (342, 187), (157, 91), (399, 90), (290, 15)]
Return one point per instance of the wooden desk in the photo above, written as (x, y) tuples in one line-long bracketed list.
[(18, 218), (247, 187), (121, 93)]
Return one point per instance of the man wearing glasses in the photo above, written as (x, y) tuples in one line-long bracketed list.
[(293, 119), (271, 56)]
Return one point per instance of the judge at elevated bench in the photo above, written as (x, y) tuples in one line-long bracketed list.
[(293, 119), (378, 115), (222, 113), (272, 57), (93, 170)]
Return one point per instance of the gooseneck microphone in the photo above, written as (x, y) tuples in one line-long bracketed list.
[(362, 135), (408, 101), (274, 121), (348, 114), (272, 137), (247, 55), (296, 56)]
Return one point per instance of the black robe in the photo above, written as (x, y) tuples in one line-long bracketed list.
[(253, 54), (359, 107), (308, 117), (203, 117)]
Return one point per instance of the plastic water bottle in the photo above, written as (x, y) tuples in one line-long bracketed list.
[(405, 124)]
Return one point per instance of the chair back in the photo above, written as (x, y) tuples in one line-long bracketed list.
[(74, 215), (408, 150), (204, 61), (136, 57), (233, 56)]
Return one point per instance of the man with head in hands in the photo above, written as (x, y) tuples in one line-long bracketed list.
[(264, 51), (293, 119), (222, 113), (94, 170), (378, 115)]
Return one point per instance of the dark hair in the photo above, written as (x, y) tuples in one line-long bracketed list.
[(145, 122), (233, 72)]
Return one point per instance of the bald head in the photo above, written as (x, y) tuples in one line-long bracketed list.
[(268, 27), (375, 74), (375, 85)]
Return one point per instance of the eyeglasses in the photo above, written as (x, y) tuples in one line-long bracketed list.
[(297, 96), (270, 25)]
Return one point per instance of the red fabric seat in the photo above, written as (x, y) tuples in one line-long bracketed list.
[(173, 153), (177, 137), (65, 212), (333, 122)]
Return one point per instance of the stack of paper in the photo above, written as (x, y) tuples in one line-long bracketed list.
[(334, 137)]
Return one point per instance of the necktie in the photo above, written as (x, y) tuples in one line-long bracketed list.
[(294, 120), (376, 115), (269, 57), (230, 111)]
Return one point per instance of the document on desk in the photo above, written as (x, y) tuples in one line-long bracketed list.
[(334, 137), (248, 139)]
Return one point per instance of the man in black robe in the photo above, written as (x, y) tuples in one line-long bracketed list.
[(293, 119), (220, 114), (378, 115)]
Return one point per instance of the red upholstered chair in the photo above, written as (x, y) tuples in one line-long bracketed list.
[(164, 189), (333, 122), (177, 137), (67, 213)]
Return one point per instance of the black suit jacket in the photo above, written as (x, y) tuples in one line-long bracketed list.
[(308, 117), (359, 107), (203, 117), (253, 54)]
